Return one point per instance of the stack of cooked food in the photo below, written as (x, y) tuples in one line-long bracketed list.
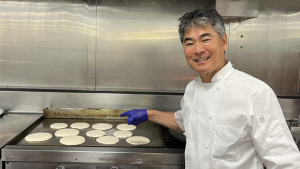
[(69, 136)]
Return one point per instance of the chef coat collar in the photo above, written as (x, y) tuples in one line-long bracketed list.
[(221, 73)]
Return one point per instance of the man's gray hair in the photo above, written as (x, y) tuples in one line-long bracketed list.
[(201, 17)]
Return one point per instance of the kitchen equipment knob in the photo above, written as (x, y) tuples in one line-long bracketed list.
[(114, 167), (61, 167)]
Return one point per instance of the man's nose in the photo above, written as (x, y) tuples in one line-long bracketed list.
[(199, 48)]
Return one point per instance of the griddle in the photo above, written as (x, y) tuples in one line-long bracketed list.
[(18, 153), (146, 129)]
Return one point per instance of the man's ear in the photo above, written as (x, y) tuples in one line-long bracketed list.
[(224, 42)]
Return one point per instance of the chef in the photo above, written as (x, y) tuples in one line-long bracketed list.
[(230, 119)]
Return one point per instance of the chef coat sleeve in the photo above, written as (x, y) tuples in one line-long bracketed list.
[(179, 115), (270, 134)]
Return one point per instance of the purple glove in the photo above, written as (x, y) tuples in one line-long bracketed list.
[(136, 116)]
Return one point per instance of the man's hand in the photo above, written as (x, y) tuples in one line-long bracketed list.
[(136, 116)]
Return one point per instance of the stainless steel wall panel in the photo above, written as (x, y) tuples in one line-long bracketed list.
[(91, 42), (292, 59), (9, 22), (35, 102), (231, 53), (277, 48), (269, 49), (227, 25), (251, 49), (44, 44), (140, 46)]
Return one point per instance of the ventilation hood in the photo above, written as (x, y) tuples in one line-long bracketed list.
[(237, 9)]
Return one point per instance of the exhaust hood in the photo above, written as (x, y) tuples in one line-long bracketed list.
[(237, 9)]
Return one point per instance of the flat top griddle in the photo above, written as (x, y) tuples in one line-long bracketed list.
[(146, 129)]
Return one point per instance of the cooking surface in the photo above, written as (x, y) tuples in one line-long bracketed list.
[(147, 129)]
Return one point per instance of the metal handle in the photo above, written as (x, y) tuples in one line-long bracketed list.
[(114, 167), (61, 167)]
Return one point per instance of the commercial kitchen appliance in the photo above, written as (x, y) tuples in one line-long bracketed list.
[(20, 154)]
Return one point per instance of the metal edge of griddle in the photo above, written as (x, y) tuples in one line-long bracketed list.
[(19, 135), (25, 132), (84, 113), (165, 156)]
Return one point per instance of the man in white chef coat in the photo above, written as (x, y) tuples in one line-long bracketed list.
[(230, 119)]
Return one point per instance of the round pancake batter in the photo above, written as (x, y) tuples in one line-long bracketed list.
[(102, 126), (95, 133), (72, 140), (80, 125), (58, 125), (66, 132), (126, 127), (107, 140), (122, 134), (36, 137), (138, 140)]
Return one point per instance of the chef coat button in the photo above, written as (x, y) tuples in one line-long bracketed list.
[(194, 113), (210, 117), (206, 146), (198, 85), (262, 119), (218, 87), (190, 140)]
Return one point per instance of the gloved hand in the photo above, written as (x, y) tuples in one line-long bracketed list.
[(136, 116)]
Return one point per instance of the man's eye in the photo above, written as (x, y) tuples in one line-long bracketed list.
[(205, 40), (189, 44)]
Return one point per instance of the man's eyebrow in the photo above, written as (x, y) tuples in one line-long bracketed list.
[(186, 39), (205, 34)]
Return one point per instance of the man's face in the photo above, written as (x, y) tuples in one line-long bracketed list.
[(204, 50)]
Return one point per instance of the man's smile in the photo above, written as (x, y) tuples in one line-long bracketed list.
[(202, 59)]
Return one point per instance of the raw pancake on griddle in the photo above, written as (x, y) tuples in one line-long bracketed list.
[(122, 134), (95, 133), (58, 125), (138, 140), (38, 137), (72, 140), (108, 140), (126, 127), (66, 132), (102, 126), (80, 125)]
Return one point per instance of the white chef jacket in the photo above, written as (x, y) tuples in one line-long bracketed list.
[(235, 122)]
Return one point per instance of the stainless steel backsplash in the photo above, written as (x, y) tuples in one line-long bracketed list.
[(133, 45)]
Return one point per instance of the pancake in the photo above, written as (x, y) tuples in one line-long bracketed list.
[(66, 132), (72, 140), (80, 125), (58, 125), (126, 127), (122, 134), (138, 140), (107, 140), (102, 126), (37, 137), (95, 133)]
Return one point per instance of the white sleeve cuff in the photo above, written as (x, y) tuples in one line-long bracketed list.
[(179, 119)]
